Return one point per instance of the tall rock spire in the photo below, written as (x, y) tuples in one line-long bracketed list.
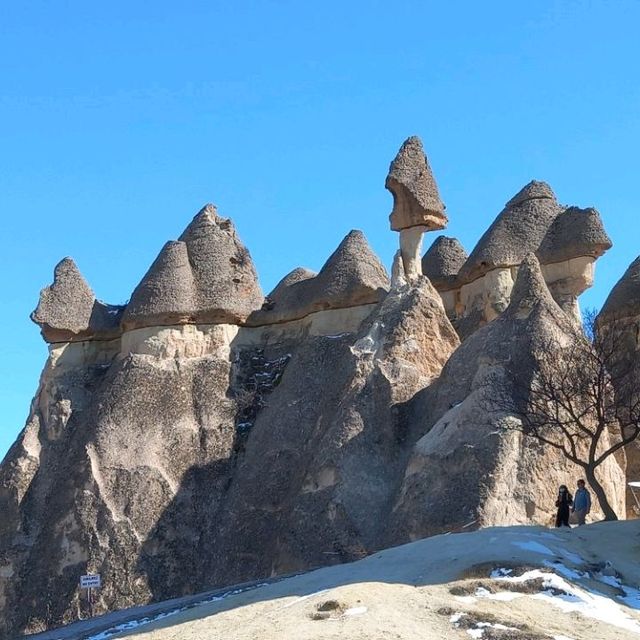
[(416, 202)]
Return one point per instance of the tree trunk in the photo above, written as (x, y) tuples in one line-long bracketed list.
[(598, 489)]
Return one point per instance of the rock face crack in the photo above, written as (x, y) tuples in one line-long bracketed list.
[(256, 377)]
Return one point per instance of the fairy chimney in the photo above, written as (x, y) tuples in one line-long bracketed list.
[(416, 203)]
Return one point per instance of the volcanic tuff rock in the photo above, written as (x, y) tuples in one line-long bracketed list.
[(466, 456), (416, 201), (442, 262), (517, 231), (142, 461), (213, 436), (624, 299), (206, 277), (352, 276), (68, 310), (566, 240), (619, 321), (575, 232)]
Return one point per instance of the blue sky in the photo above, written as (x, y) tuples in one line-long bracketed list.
[(119, 120)]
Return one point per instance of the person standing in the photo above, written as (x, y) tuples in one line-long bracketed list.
[(564, 502), (581, 503)]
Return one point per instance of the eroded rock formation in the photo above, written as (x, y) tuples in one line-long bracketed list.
[(464, 455), (416, 203), (619, 321), (207, 276), (206, 435), (567, 242), (68, 310), (352, 276)]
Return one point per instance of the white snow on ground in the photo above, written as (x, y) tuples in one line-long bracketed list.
[(480, 627), (503, 596), (571, 557), (571, 574), (571, 598), (133, 624), (355, 611), (532, 545), (303, 598), (631, 595)]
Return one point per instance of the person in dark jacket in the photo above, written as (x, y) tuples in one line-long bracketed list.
[(564, 502), (581, 503)]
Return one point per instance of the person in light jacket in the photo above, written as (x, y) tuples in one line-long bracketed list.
[(581, 503)]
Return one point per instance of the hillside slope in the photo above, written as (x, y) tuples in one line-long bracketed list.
[(518, 583)]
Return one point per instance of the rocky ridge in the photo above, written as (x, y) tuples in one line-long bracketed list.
[(207, 435)]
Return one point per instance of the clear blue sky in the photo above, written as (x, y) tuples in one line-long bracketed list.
[(119, 120)]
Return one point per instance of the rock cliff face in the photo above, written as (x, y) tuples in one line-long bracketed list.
[(466, 456), (206, 435), (619, 321)]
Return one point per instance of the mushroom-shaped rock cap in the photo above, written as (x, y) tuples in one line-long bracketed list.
[(624, 299), (352, 276), (167, 293), (205, 277), (68, 310), (226, 282), (575, 232), (517, 231), (416, 201), (442, 262), (283, 289)]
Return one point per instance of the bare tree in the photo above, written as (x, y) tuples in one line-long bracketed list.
[(583, 399)]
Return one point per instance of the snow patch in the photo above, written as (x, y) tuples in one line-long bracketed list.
[(532, 545), (481, 627), (355, 611), (571, 574), (571, 557), (134, 624), (571, 598), (303, 598)]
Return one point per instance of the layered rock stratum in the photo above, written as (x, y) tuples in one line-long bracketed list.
[(205, 434)]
